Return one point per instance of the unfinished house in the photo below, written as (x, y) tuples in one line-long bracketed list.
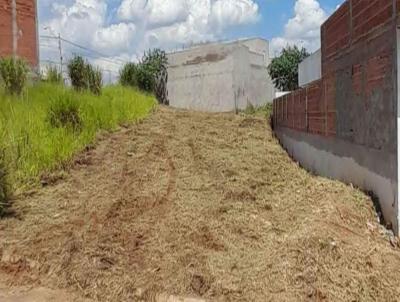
[(220, 77)]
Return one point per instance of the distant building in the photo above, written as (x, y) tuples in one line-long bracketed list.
[(220, 77), (310, 69), (18, 30)]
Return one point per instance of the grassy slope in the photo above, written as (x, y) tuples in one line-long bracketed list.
[(32, 146)]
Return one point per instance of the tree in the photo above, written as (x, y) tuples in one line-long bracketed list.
[(284, 69)]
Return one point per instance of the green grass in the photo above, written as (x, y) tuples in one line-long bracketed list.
[(33, 145), (263, 110)]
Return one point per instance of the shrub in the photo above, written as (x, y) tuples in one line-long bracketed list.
[(145, 78), (4, 190), (13, 72), (77, 72), (84, 76), (95, 79), (149, 75), (128, 75), (53, 75), (64, 111)]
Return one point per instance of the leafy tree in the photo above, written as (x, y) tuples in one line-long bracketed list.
[(284, 69)]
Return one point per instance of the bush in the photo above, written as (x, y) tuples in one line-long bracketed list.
[(145, 78), (128, 75), (149, 75), (53, 75), (95, 79), (4, 191), (77, 72), (84, 76), (64, 111), (14, 74)]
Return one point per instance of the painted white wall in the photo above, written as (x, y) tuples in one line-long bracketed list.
[(310, 69)]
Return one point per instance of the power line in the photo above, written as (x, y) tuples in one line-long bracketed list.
[(66, 53), (102, 56)]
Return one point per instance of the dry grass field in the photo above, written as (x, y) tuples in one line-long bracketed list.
[(197, 205)]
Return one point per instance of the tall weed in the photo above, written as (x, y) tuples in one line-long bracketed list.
[(84, 76), (13, 72), (95, 79), (128, 75), (77, 72), (64, 111), (38, 128), (4, 189), (53, 75)]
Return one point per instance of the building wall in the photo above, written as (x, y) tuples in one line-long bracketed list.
[(202, 79), (220, 77), (26, 30), (353, 105), (310, 69)]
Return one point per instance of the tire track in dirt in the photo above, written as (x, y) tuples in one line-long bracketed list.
[(198, 204)]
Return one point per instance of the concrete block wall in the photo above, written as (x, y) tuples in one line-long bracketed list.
[(25, 33), (350, 114), (220, 77)]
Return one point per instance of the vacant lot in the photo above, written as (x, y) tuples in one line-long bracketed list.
[(203, 205)]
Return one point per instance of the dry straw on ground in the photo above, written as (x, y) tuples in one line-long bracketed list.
[(205, 205)]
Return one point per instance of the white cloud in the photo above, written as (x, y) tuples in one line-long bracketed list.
[(154, 13), (304, 28), (78, 20), (227, 12), (115, 38), (183, 21), (131, 26)]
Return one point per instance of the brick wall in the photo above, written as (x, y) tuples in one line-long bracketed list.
[(355, 99), (26, 28)]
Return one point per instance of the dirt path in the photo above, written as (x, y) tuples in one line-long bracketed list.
[(199, 205)]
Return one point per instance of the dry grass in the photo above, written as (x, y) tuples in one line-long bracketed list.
[(201, 205)]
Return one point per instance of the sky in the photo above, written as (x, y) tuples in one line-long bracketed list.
[(121, 30)]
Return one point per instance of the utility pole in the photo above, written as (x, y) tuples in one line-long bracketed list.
[(60, 50)]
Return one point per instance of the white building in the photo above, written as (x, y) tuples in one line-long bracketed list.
[(220, 77)]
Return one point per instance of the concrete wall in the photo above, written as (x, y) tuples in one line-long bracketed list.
[(344, 125), (310, 69), (18, 29), (220, 77)]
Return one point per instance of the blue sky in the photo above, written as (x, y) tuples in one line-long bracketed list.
[(274, 16), (123, 29)]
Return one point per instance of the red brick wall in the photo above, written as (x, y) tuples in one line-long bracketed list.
[(5, 28), (358, 55), (26, 23)]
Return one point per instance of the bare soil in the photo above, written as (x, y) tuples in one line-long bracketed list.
[(198, 205)]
